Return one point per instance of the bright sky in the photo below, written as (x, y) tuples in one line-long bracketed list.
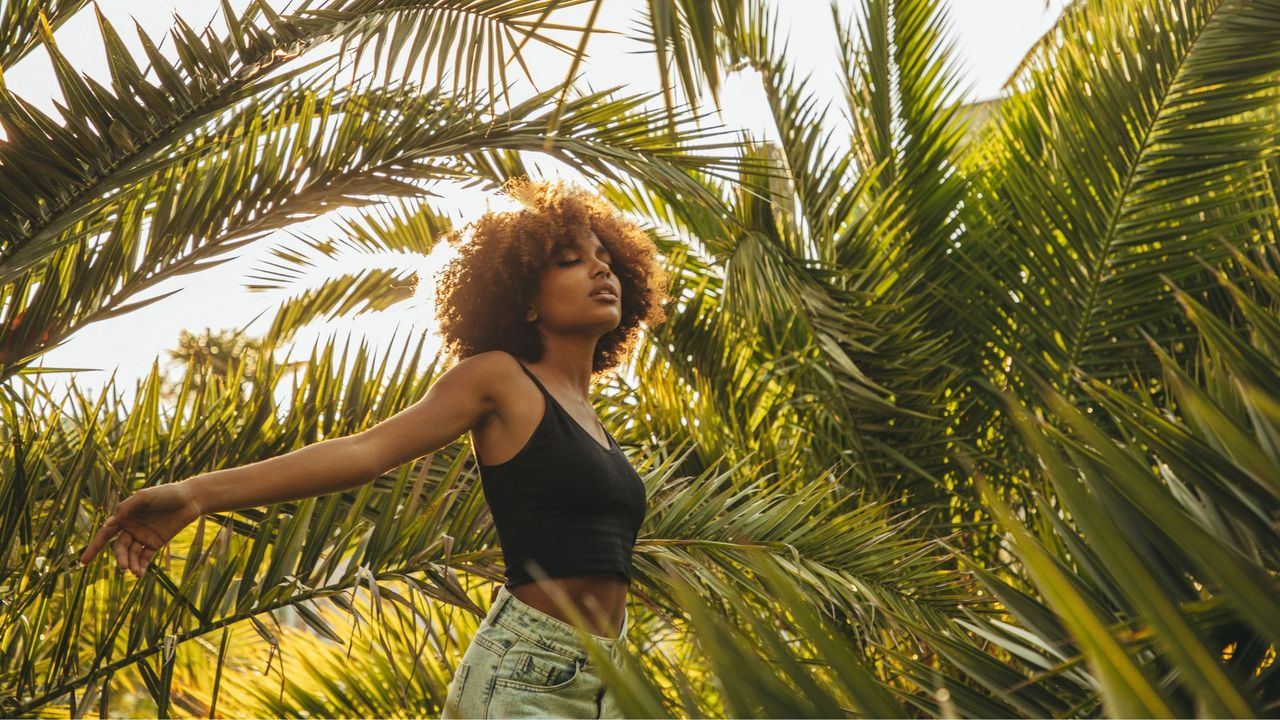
[(990, 36)]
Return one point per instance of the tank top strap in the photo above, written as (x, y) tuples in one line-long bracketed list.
[(553, 405), (532, 377)]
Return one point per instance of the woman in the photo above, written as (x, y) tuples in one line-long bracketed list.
[(538, 303)]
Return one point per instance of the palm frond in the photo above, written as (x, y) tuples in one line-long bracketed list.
[(378, 142), (20, 30), (395, 227), (785, 682), (1124, 159), (374, 658), (1165, 530), (1127, 689), (820, 172), (57, 174), (860, 564), (687, 34), (1043, 44), (421, 519), (474, 42)]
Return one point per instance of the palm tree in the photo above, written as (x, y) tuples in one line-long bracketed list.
[(1021, 268), (976, 408), (146, 180), (151, 179)]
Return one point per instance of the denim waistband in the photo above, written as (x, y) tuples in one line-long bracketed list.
[(517, 616)]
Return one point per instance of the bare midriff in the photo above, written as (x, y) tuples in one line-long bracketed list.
[(601, 599)]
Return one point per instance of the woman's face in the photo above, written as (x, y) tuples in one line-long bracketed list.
[(565, 301)]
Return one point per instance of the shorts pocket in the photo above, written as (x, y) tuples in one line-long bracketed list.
[(530, 666)]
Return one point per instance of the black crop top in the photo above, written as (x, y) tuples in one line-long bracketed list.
[(563, 501)]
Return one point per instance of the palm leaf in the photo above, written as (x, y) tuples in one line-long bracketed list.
[(809, 239), (110, 137), (1110, 169), (1126, 689), (396, 227), (478, 41), (20, 31), (1168, 545), (686, 34), (380, 142)]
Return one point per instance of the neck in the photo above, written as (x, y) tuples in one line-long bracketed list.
[(568, 361)]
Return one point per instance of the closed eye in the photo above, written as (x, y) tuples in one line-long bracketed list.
[(571, 262)]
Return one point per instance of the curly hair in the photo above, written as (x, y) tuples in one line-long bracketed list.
[(481, 295)]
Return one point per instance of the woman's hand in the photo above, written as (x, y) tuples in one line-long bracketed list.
[(145, 521)]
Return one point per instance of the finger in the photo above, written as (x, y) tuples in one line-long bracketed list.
[(135, 557), (129, 543), (103, 535), (121, 550), (147, 551)]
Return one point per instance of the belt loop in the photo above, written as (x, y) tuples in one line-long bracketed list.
[(496, 607)]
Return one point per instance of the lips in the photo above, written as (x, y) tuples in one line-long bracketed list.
[(605, 290)]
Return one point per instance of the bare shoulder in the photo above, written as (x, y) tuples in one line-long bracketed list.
[(486, 370), (496, 378), (465, 397), (516, 410)]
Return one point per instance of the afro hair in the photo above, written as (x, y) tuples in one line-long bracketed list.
[(482, 294)]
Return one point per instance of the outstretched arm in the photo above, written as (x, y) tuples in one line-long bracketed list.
[(457, 401)]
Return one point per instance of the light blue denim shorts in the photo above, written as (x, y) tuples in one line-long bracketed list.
[(523, 662)]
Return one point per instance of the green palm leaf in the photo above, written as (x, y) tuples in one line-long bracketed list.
[(686, 34), (20, 30), (478, 40), (395, 227), (1126, 689), (110, 137), (809, 239), (1122, 160), (381, 142), (1162, 531)]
